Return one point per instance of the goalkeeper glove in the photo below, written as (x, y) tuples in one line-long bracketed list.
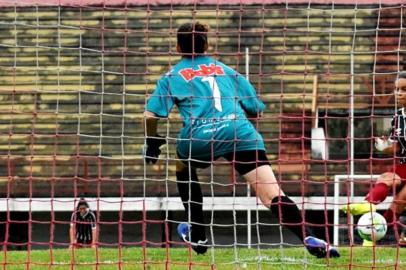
[(152, 150)]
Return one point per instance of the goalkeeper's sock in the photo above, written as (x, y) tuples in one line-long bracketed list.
[(378, 193), (289, 215), (189, 185)]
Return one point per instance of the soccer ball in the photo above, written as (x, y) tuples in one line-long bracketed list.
[(372, 226)]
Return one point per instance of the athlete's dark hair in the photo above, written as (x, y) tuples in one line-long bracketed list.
[(192, 38), (401, 75), (81, 202)]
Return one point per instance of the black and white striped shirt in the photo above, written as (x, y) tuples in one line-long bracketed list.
[(397, 134), (84, 226)]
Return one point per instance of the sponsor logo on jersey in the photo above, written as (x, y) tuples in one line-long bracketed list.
[(203, 71)]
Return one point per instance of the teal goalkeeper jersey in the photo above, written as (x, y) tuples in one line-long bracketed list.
[(213, 100)]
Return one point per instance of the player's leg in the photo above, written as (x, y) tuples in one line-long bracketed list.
[(402, 228), (385, 183), (397, 206), (192, 198), (263, 182), (254, 167), (377, 194), (392, 215)]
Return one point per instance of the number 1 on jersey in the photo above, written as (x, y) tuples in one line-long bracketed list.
[(216, 92)]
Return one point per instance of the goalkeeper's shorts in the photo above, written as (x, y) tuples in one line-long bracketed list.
[(243, 161)]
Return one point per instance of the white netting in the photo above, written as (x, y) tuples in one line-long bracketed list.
[(75, 77)]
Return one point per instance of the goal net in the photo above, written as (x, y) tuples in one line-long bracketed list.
[(75, 78)]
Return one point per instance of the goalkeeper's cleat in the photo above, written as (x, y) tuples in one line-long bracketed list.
[(320, 248), (357, 209), (367, 243), (183, 230), (199, 246)]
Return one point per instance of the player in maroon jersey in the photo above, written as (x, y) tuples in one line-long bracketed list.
[(395, 180)]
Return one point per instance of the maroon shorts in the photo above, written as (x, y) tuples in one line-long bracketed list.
[(400, 169)]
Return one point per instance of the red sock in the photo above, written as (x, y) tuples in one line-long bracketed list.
[(378, 193), (390, 216)]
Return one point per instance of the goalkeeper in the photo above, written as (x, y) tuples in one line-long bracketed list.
[(394, 144), (214, 102)]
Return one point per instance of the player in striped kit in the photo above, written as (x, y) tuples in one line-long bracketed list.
[(395, 180), (83, 230), (214, 102)]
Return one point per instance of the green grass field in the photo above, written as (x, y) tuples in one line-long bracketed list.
[(222, 259)]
